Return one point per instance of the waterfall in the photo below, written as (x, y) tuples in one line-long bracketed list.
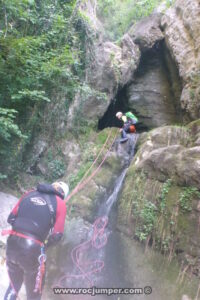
[(88, 257)]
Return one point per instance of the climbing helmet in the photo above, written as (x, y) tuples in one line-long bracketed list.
[(119, 114), (61, 187)]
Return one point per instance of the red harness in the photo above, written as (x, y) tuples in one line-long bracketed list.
[(41, 259), (13, 232)]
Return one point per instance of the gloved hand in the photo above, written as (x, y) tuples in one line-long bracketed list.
[(11, 219), (54, 239)]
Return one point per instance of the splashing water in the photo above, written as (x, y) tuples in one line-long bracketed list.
[(84, 267)]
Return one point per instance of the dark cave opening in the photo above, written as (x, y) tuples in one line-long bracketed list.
[(153, 95), (120, 103)]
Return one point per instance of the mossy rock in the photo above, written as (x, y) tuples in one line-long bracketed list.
[(194, 124)]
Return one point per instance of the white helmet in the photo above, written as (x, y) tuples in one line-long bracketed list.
[(63, 186), (119, 114)]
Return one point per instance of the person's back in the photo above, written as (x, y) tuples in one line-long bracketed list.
[(129, 120), (33, 213), (36, 214)]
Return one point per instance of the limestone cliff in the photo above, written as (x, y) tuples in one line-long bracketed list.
[(160, 201), (181, 28)]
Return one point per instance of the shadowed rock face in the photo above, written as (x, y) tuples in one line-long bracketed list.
[(151, 95), (181, 28)]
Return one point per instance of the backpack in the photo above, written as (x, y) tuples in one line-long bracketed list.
[(131, 117)]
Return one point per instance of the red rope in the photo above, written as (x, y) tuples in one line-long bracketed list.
[(87, 268), (81, 185), (94, 162), (98, 239), (42, 272)]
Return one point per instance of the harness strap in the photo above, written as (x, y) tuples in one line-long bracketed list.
[(12, 232), (51, 209)]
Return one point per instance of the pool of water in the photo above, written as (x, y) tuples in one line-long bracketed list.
[(127, 265)]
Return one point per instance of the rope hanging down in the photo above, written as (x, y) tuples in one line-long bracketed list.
[(83, 182)]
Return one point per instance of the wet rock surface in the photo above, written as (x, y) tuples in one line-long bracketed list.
[(99, 187), (160, 200)]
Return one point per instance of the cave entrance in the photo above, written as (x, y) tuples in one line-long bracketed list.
[(153, 95), (120, 103)]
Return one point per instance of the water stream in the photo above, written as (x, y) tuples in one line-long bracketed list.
[(115, 262)]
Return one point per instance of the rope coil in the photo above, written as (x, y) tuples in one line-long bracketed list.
[(87, 268)]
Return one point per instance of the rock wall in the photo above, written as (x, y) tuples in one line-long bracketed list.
[(108, 66), (147, 32), (181, 29), (160, 200), (100, 186), (151, 95)]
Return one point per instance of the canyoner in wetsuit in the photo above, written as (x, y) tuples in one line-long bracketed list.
[(38, 216), (129, 120)]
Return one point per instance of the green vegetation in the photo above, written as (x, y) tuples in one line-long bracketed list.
[(165, 190), (57, 169), (118, 16), (147, 219), (186, 198), (76, 178), (7, 125), (42, 56), (158, 212), (90, 146)]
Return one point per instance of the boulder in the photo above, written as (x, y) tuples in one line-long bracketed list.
[(38, 150), (168, 152), (147, 32), (112, 67), (7, 202)]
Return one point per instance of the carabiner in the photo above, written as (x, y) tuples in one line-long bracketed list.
[(42, 258)]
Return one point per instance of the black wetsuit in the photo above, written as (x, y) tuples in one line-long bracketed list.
[(35, 215)]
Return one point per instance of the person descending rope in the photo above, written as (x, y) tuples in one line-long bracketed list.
[(38, 216), (129, 120)]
